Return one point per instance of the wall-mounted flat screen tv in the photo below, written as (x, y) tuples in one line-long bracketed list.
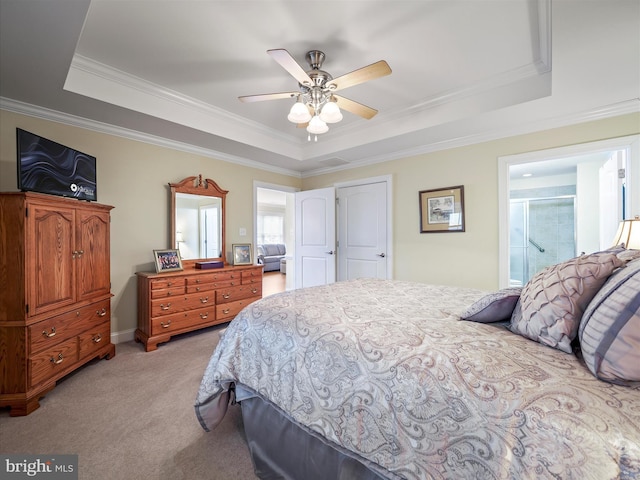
[(47, 167)]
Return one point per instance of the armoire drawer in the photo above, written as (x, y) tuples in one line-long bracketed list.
[(50, 362), (57, 329), (94, 339)]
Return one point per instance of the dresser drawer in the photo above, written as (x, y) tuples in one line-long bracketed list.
[(167, 292), (179, 321), (231, 294), (50, 362), (51, 332), (94, 339), (204, 287), (164, 283), (173, 305), (228, 311), (251, 276), (212, 277)]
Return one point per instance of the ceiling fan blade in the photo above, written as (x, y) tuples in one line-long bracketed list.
[(364, 74), (267, 96), (355, 107), (287, 62)]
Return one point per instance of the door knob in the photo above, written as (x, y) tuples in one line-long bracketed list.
[(382, 255), (330, 253)]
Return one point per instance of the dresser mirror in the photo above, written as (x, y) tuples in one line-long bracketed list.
[(197, 219)]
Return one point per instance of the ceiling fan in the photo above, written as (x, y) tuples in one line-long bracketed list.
[(317, 103)]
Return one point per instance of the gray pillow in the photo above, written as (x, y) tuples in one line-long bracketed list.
[(609, 331), (494, 307), (552, 302)]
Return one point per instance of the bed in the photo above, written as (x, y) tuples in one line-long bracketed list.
[(387, 379)]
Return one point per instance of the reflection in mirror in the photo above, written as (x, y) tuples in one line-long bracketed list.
[(197, 219), (198, 226)]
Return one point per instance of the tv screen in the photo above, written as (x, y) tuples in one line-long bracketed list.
[(47, 167)]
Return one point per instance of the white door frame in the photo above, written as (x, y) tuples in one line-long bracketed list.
[(631, 143), (388, 180)]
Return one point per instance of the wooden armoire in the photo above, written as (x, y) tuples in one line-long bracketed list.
[(55, 295)]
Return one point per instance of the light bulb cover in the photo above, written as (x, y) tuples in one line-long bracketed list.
[(331, 113), (299, 113), (317, 126)]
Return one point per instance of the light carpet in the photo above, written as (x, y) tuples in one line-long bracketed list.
[(132, 417)]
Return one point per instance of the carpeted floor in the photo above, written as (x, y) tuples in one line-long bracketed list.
[(132, 417)]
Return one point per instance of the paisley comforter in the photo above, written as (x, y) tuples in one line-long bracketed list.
[(388, 371)]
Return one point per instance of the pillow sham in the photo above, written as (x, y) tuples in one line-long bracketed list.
[(494, 307), (609, 331), (552, 302)]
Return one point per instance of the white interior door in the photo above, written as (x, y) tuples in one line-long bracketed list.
[(362, 231), (315, 246)]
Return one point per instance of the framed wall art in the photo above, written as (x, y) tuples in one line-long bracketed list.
[(167, 260), (242, 254), (442, 210)]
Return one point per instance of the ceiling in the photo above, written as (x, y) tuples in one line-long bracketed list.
[(463, 71)]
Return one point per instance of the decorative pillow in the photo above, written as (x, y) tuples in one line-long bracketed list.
[(552, 302), (494, 307), (609, 331)]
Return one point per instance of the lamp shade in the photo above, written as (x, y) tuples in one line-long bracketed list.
[(331, 113), (629, 234), (299, 113), (317, 126)]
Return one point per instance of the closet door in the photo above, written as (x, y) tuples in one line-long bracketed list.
[(50, 258)]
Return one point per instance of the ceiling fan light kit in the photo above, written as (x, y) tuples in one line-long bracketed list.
[(315, 100)]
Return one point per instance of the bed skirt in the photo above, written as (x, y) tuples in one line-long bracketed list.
[(281, 449)]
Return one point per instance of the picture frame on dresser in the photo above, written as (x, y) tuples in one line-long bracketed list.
[(242, 254), (167, 260)]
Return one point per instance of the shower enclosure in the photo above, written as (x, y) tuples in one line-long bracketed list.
[(542, 233)]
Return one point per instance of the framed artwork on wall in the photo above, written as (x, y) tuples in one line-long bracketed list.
[(167, 260), (442, 210)]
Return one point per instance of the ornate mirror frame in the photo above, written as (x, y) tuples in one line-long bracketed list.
[(207, 188)]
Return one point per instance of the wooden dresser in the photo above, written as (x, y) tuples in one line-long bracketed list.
[(55, 299), (171, 303)]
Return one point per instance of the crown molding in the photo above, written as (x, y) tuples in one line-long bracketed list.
[(598, 113), (99, 127)]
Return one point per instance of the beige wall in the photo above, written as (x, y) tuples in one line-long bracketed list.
[(469, 258), (133, 177)]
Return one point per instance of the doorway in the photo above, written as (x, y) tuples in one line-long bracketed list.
[(602, 177)]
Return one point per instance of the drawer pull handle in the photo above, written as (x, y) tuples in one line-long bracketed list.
[(165, 307), (204, 300), (226, 310), (58, 360), (165, 325), (254, 290), (204, 315), (50, 334), (233, 284), (197, 289), (197, 280), (97, 338), (226, 295), (101, 313)]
